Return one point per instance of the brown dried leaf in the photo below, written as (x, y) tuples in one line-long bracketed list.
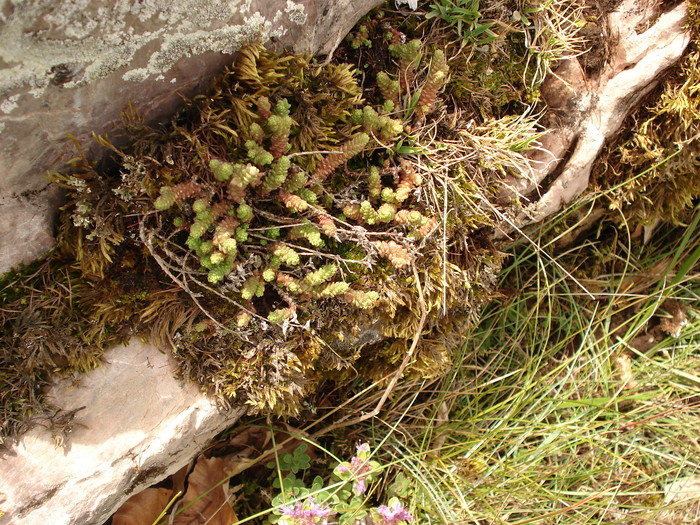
[(250, 441), (209, 505), (142, 508), (179, 478), (247, 447), (254, 446)]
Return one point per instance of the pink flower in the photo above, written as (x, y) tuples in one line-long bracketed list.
[(394, 514), (359, 466), (306, 513)]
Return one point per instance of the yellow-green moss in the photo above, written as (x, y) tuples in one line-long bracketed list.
[(652, 171)]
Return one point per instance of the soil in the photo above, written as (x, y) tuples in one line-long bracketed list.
[(595, 32), (368, 59)]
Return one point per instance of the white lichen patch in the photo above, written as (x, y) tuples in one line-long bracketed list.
[(75, 17), (12, 79), (136, 75), (9, 104), (99, 37), (246, 6), (224, 40), (296, 13)]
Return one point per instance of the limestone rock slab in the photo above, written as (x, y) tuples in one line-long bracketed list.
[(139, 424)]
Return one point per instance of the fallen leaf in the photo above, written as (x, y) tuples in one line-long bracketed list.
[(179, 478), (246, 446), (254, 446), (251, 437), (208, 504), (142, 508)]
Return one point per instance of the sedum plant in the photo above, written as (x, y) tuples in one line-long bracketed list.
[(320, 204), (260, 237)]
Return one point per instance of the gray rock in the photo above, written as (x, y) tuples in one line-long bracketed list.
[(125, 426), (28, 221)]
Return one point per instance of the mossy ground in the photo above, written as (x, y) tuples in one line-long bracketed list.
[(386, 190), (233, 236)]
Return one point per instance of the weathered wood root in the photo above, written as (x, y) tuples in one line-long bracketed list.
[(585, 110)]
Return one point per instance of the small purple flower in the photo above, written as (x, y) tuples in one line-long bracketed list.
[(305, 513), (359, 466), (394, 514), (363, 448)]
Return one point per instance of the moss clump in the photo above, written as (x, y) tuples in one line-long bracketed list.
[(261, 233)]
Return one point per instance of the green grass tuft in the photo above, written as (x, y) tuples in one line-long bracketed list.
[(562, 408)]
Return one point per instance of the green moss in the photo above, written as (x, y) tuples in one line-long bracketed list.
[(257, 253), (488, 83)]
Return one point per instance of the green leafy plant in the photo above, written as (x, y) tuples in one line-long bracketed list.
[(296, 461), (465, 17), (344, 497), (359, 38), (400, 94)]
